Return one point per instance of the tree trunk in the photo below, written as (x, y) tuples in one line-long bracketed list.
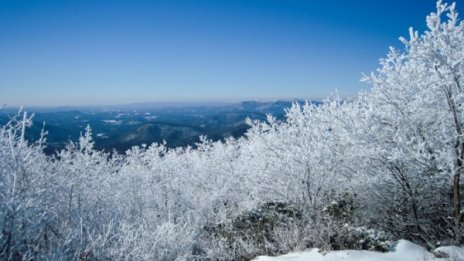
[(456, 184), (457, 196), (459, 150)]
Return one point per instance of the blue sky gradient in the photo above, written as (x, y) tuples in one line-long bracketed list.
[(90, 52)]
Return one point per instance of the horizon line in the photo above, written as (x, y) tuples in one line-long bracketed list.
[(169, 102)]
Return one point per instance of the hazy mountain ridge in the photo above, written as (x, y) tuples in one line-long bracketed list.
[(120, 127)]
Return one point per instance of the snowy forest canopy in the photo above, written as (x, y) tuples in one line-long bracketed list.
[(356, 174)]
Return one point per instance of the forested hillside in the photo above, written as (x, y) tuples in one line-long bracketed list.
[(337, 175), (120, 127)]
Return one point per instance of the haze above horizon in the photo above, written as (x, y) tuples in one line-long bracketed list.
[(72, 53)]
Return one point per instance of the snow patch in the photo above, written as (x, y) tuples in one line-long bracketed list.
[(112, 122), (403, 250), (102, 135)]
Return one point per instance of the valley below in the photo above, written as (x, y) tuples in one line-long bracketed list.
[(121, 127)]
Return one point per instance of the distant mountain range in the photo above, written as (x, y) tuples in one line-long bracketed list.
[(121, 127)]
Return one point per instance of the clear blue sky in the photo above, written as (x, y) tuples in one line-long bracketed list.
[(108, 52)]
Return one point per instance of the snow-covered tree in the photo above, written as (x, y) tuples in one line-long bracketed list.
[(418, 114)]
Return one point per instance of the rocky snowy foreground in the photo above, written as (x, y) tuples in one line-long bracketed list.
[(403, 251)]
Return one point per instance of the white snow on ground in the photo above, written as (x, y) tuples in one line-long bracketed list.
[(453, 252), (403, 251)]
